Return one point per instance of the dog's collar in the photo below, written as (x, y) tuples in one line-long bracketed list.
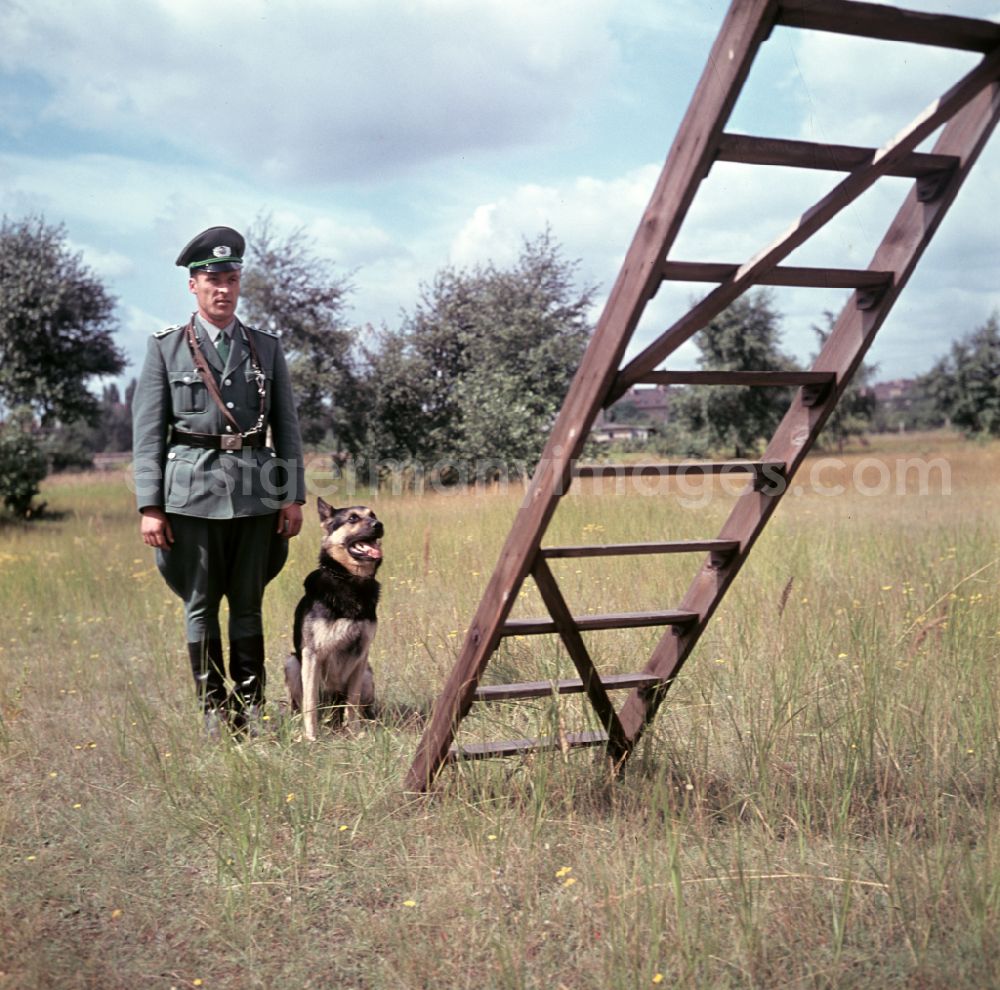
[(331, 567)]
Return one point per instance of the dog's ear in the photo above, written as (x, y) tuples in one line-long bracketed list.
[(325, 511)]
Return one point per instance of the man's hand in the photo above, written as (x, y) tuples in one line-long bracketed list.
[(290, 520), (155, 529)]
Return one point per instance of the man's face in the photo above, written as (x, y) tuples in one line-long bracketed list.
[(217, 293)]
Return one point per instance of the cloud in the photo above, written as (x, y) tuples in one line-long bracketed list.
[(319, 89), (102, 262), (147, 127), (592, 218), (863, 91)]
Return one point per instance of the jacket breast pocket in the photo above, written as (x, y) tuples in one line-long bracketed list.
[(188, 392)]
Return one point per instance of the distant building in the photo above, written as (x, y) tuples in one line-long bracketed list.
[(896, 392), (638, 405), (619, 433)]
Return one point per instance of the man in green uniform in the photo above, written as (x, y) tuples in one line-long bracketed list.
[(219, 497)]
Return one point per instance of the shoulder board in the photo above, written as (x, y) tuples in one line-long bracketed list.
[(166, 330), (269, 333)]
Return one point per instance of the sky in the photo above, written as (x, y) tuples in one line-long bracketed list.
[(403, 136)]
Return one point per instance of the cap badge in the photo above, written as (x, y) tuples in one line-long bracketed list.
[(221, 251)]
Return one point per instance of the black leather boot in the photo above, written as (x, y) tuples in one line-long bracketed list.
[(246, 667), (207, 666)]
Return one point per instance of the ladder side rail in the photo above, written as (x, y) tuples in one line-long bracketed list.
[(842, 195), (746, 26), (593, 686), (901, 248)]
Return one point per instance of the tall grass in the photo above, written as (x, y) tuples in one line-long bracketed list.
[(815, 806)]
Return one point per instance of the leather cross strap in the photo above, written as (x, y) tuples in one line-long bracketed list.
[(209, 379)]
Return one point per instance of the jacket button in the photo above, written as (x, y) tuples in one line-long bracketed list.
[(187, 379), (171, 456), (229, 405), (228, 381)]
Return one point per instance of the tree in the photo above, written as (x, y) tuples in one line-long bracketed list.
[(477, 372), (743, 337), (965, 385), (56, 324), (22, 467), (398, 414), (71, 446), (854, 413), (290, 290)]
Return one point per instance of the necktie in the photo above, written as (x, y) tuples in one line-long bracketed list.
[(222, 346)]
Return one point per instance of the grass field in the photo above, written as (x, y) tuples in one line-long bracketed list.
[(816, 806)]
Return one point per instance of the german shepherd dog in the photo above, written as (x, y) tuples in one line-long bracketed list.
[(335, 621)]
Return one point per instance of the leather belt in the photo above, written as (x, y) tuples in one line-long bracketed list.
[(218, 441)]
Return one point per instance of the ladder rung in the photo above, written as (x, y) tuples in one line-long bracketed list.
[(589, 623), (514, 747), (544, 689), (630, 549), (678, 468), (889, 23), (751, 149), (786, 378), (815, 278)]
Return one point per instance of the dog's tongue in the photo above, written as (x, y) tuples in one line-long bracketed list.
[(370, 550)]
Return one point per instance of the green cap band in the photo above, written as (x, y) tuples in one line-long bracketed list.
[(216, 261)]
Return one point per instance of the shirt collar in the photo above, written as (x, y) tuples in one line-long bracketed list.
[(212, 330)]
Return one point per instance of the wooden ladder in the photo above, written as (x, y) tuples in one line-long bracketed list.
[(968, 112)]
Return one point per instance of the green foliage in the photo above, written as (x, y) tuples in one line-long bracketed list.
[(56, 324), (917, 410), (854, 413), (965, 385), (22, 468), (71, 446), (743, 337), (288, 289), (477, 372)]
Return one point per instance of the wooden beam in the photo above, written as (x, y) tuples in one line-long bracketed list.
[(518, 747), (764, 472), (592, 623), (752, 150), (631, 549), (569, 632), (842, 195), (871, 20), (774, 378), (746, 25), (905, 241), (544, 689), (817, 278)]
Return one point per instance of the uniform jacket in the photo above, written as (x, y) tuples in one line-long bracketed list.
[(214, 484)]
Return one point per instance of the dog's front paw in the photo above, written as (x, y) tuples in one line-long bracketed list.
[(309, 729)]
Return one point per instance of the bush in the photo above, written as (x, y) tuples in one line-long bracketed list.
[(22, 468), (69, 448)]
